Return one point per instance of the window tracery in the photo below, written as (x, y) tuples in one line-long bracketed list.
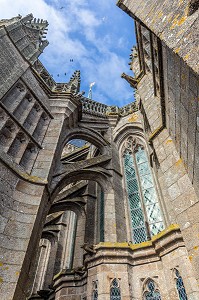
[(180, 286), (145, 213), (151, 291), (115, 293)]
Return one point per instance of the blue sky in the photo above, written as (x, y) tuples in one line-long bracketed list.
[(96, 34)]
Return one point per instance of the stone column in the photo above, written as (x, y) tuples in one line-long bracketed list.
[(79, 242)]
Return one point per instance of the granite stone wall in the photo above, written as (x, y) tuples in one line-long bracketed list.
[(35, 201)]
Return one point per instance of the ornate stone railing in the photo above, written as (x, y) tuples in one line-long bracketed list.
[(88, 105), (99, 109), (93, 107)]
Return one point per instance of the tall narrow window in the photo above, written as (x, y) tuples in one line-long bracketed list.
[(151, 292), (95, 290), (146, 219), (101, 216), (115, 293), (180, 286)]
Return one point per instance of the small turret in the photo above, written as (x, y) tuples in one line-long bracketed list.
[(74, 83), (28, 34)]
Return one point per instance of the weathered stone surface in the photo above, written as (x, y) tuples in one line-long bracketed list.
[(71, 216)]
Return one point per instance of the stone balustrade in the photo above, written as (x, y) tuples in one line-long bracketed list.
[(88, 105), (96, 108)]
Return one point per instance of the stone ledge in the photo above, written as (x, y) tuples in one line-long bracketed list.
[(134, 254), (15, 168), (68, 279), (160, 235)]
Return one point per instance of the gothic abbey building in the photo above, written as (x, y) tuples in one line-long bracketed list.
[(100, 202)]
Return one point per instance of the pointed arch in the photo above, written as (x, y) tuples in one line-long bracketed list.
[(150, 290), (115, 292), (90, 136), (180, 285), (98, 174), (76, 205), (127, 129)]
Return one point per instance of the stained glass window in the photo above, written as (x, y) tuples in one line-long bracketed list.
[(145, 211), (115, 293), (152, 293), (136, 212), (180, 286), (95, 290)]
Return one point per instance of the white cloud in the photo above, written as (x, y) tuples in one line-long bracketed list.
[(87, 18), (76, 30), (106, 74)]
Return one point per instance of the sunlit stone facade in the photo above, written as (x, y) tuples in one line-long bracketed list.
[(100, 202)]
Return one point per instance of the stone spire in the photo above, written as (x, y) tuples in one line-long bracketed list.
[(74, 83)]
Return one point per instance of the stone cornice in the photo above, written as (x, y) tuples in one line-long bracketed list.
[(123, 253), (135, 254)]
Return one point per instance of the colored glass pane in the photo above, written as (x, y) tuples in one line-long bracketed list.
[(180, 286), (152, 293), (115, 293)]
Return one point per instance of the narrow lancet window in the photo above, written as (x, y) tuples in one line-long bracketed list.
[(180, 286), (136, 211), (95, 290), (115, 293), (145, 213), (151, 292)]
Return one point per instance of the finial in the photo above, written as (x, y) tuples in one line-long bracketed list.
[(90, 90), (74, 83)]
